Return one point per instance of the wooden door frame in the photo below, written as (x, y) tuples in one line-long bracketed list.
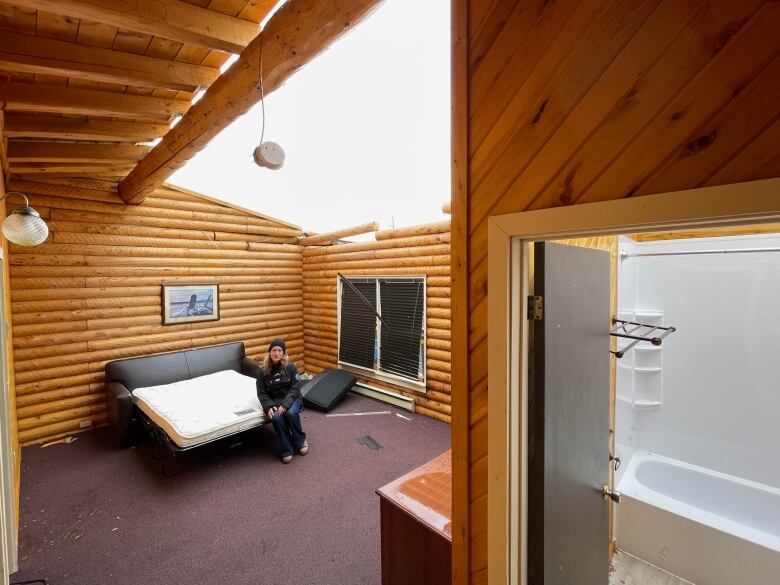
[(508, 238)]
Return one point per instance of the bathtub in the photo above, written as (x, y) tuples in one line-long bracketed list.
[(702, 525)]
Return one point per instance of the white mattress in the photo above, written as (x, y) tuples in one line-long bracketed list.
[(201, 409)]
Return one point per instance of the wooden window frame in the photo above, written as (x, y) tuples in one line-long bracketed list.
[(508, 238)]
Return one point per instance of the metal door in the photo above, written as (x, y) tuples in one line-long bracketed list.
[(568, 440)]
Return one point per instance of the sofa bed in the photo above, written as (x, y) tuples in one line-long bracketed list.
[(184, 398)]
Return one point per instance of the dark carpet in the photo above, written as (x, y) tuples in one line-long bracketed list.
[(93, 514)]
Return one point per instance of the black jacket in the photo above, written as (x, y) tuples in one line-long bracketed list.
[(279, 387)]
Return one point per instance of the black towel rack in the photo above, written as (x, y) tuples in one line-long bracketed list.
[(638, 332)]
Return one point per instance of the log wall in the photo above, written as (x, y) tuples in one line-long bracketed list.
[(92, 292), (416, 251)]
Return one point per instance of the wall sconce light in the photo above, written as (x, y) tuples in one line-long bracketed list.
[(24, 226)]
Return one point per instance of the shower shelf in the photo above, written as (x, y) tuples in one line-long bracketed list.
[(640, 404), (640, 372)]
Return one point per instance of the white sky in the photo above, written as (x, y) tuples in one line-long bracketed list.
[(365, 127)]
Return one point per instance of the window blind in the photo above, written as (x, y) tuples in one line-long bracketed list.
[(402, 305), (357, 333)]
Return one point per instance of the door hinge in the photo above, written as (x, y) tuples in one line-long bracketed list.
[(535, 308)]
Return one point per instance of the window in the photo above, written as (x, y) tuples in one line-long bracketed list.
[(393, 344)]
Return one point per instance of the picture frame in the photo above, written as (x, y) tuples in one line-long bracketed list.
[(189, 303)]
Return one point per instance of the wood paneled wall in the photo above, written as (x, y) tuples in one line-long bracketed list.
[(569, 102), (92, 292), (415, 251), (9, 373)]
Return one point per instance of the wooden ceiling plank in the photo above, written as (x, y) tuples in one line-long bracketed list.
[(29, 126), (37, 98), (56, 26), (110, 175), (295, 34), (17, 19), (62, 169), (96, 34), (73, 152), (28, 54), (88, 184), (171, 19), (257, 10)]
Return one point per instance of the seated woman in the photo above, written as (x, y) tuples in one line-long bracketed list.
[(278, 392)]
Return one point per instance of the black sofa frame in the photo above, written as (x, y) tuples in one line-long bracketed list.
[(124, 376)]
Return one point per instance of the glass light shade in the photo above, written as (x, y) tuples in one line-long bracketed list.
[(25, 227)]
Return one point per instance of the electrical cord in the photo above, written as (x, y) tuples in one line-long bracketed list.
[(43, 581), (262, 92)]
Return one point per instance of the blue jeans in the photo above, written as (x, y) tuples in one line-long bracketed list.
[(288, 429)]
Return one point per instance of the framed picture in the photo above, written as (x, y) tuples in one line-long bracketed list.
[(188, 303)]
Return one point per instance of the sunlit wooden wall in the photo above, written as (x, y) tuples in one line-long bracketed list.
[(415, 251), (570, 102), (9, 373), (92, 292)]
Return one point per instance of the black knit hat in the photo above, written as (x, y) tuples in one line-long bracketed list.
[(277, 343)]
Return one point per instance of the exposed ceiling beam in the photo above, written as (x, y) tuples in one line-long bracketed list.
[(33, 97), (33, 54), (73, 152), (170, 19), (295, 34), (29, 126)]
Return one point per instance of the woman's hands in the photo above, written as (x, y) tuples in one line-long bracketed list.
[(274, 410)]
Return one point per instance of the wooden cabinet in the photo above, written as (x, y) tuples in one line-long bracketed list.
[(416, 518)]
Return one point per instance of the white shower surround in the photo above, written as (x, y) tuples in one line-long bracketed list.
[(707, 527), (701, 471), (721, 369)]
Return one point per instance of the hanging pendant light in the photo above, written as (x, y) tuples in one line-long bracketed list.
[(267, 154), (24, 225)]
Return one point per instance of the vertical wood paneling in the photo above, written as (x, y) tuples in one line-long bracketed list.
[(9, 372), (463, 31), (590, 101), (92, 293)]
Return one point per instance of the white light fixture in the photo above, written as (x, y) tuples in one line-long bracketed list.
[(24, 225)]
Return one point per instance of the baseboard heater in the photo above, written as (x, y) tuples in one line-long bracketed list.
[(376, 393)]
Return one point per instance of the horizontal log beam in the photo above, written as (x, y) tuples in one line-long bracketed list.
[(295, 34), (27, 126), (170, 19), (337, 235), (33, 97), (72, 152), (417, 230), (425, 240), (21, 53), (399, 253)]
